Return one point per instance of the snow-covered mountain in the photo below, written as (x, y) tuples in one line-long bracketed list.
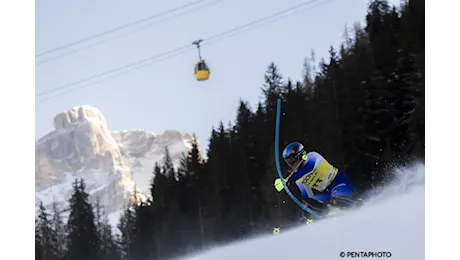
[(111, 163), (140, 150)]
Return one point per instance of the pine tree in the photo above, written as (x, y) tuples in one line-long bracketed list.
[(111, 250), (187, 223), (108, 248), (271, 90), (239, 185), (159, 204), (127, 228), (144, 245), (195, 195), (220, 166), (38, 242), (46, 235), (83, 237), (59, 231), (212, 182), (171, 211), (168, 167)]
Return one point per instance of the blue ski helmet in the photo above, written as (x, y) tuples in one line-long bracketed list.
[(293, 153)]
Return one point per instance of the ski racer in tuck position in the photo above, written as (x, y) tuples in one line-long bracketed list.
[(320, 184)]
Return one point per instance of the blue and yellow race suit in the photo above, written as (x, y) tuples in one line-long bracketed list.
[(319, 175)]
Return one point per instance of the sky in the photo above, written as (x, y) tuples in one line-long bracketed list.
[(165, 95)]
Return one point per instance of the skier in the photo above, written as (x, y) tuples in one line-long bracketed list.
[(320, 183)]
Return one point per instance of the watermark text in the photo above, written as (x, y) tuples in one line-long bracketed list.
[(370, 254)]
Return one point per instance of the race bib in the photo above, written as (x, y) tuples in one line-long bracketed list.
[(313, 180)]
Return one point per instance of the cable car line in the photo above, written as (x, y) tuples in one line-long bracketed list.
[(118, 28), (176, 51), (112, 71), (89, 84), (229, 34), (43, 61)]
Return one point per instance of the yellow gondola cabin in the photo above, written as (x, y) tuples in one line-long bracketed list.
[(201, 71)]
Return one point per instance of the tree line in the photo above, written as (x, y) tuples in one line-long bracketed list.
[(362, 109)]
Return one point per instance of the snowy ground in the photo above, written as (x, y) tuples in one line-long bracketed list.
[(394, 224)]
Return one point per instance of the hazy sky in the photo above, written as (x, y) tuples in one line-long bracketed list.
[(165, 95)]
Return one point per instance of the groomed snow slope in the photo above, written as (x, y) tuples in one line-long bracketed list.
[(393, 222)]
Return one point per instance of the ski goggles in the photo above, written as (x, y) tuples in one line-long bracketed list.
[(294, 161)]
